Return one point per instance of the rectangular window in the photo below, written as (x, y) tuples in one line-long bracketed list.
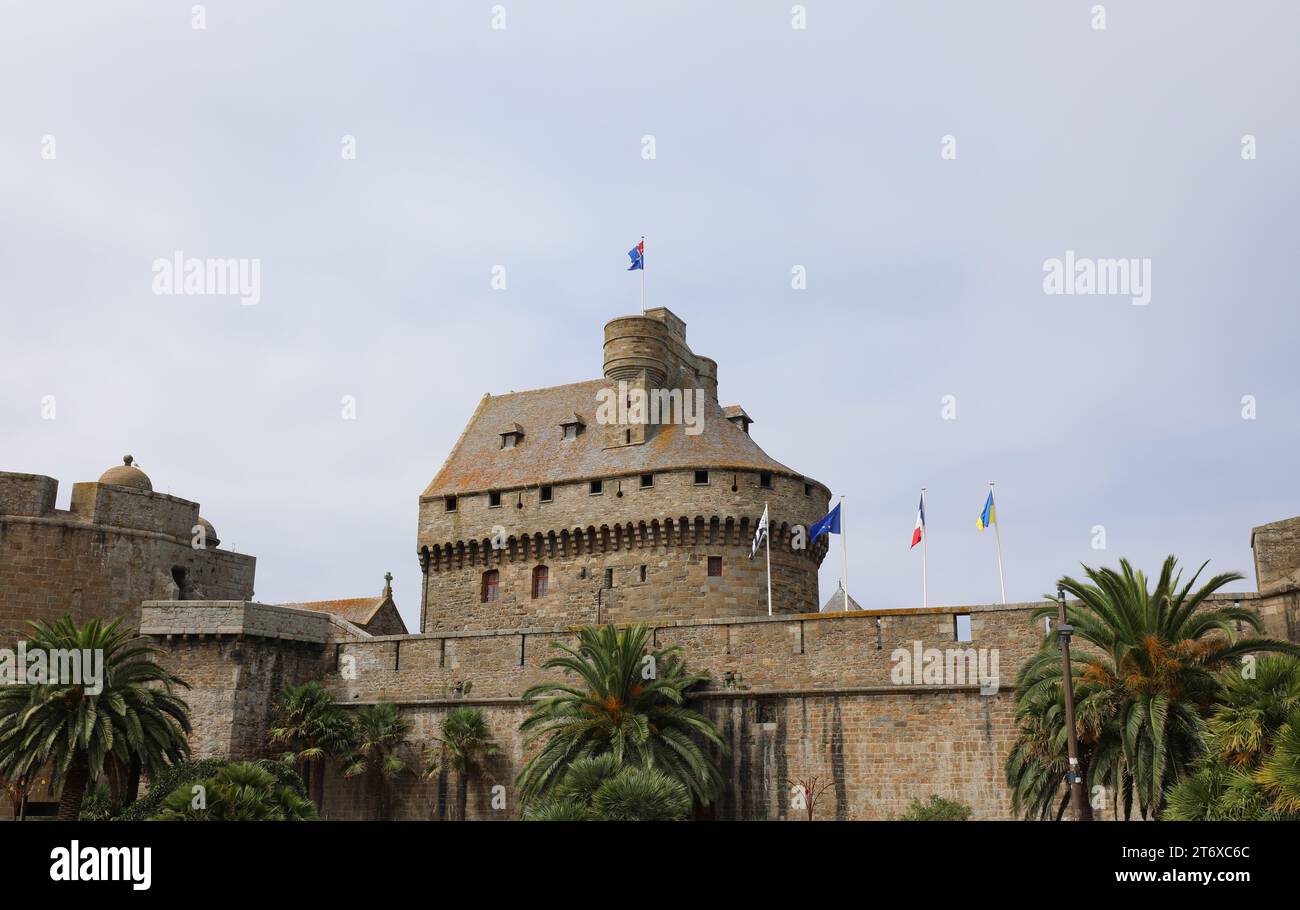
[(715, 566), (449, 502), (494, 500), (647, 480), (571, 431), (541, 581), (701, 477), (643, 573), (765, 480), (491, 589), (807, 489), (961, 627), (609, 578), (597, 487), (546, 494), (508, 441)]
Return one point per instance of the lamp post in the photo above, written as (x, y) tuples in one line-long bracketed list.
[(1074, 776)]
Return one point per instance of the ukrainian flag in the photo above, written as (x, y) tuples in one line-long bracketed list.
[(989, 515)]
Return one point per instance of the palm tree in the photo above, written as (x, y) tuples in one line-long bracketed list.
[(1144, 680), (134, 717), (315, 730), (629, 704), (465, 745), (239, 792), (598, 788), (379, 731), (1251, 768)]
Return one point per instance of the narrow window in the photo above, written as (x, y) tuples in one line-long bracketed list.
[(701, 477), (961, 627), (597, 487), (541, 580), (765, 480), (494, 500), (546, 494), (647, 480), (490, 591), (715, 566), (609, 578), (807, 489), (643, 573), (449, 502), (628, 437), (570, 431)]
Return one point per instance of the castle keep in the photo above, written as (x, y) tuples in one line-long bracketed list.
[(573, 505), (556, 509)]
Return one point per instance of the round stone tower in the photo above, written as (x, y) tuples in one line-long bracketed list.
[(635, 345)]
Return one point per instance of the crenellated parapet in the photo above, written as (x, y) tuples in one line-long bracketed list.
[(606, 539)]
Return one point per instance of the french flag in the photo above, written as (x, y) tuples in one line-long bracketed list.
[(919, 531)]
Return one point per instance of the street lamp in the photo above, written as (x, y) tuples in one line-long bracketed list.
[(1074, 775)]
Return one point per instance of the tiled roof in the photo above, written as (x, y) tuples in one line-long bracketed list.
[(479, 463), (356, 610)]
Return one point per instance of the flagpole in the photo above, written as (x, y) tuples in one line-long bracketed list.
[(767, 543), (997, 534), (643, 273), (844, 558), (925, 570)]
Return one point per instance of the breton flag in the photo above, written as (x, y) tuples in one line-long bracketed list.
[(919, 531), (989, 515), (637, 255), (760, 534)]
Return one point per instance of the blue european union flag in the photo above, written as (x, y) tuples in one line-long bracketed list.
[(828, 525), (637, 254)]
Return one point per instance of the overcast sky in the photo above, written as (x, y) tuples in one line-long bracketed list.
[(126, 135)]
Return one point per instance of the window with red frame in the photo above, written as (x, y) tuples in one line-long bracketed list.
[(491, 579), (715, 566), (541, 580)]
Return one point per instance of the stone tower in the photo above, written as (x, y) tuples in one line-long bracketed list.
[(119, 543), (622, 498)]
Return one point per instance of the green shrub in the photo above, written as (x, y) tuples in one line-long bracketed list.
[(240, 791), (99, 806), (191, 772), (937, 809)]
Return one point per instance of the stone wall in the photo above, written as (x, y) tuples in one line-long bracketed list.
[(797, 697), (1277, 556), (114, 548), (662, 527), (237, 657), (56, 565)]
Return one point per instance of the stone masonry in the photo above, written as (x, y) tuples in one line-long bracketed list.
[(118, 544)]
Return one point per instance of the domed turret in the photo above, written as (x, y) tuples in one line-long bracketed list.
[(209, 532), (127, 475)]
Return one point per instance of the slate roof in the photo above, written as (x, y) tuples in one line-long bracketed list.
[(836, 602), (478, 463)]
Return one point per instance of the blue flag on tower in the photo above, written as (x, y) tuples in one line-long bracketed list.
[(637, 255), (828, 525)]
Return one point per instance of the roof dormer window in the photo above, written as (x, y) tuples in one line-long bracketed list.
[(736, 414), (511, 435), (571, 427)]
